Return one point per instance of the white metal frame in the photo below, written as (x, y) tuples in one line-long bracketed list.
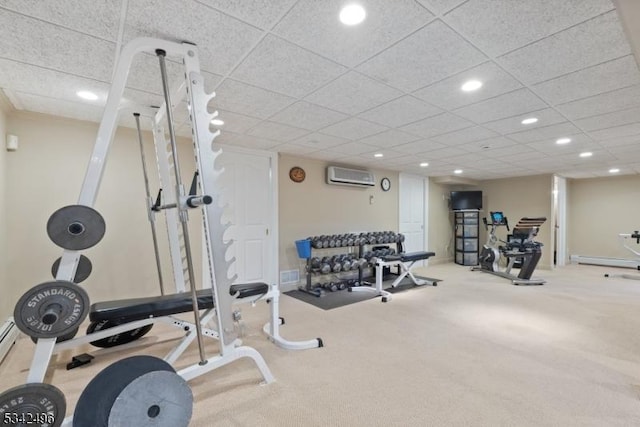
[(197, 99)]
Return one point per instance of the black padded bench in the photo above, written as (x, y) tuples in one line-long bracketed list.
[(130, 310)]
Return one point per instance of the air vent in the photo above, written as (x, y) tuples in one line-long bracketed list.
[(289, 276), (343, 176)]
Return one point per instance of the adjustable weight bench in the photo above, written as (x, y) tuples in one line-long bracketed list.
[(405, 262)]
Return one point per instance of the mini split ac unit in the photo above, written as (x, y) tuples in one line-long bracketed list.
[(343, 176)]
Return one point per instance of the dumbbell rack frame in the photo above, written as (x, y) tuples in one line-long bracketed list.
[(308, 288)]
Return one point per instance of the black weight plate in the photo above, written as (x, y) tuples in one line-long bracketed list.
[(83, 270), (76, 227), (96, 400), (158, 399), (51, 309), (62, 338), (33, 404), (118, 339)]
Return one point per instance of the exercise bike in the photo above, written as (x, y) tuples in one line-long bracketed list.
[(623, 239), (520, 248)]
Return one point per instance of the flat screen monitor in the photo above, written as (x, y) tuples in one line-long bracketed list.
[(461, 200)]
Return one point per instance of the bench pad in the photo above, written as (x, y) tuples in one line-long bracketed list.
[(130, 310)]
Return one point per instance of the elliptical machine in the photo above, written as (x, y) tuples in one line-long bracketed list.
[(522, 246)]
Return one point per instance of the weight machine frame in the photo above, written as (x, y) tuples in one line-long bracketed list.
[(205, 154)]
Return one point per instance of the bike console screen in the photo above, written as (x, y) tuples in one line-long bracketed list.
[(497, 218)]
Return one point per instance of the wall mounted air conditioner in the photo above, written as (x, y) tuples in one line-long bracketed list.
[(343, 176)]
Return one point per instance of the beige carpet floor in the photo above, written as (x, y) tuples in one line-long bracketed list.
[(473, 351)]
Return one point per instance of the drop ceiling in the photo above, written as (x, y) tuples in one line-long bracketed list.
[(289, 77)]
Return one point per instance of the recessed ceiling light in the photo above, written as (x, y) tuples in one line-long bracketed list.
[(563, 141), (85, 94), (586, 154), (529, 121), (424, 164), (378, 155), (352, 14), (614, 170), (217, 122), (457, 171), (471, 85)]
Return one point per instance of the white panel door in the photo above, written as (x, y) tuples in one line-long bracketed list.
[(560, 229), (248, 190), (412, 196)]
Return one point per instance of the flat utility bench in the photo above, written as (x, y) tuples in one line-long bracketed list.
[(405, 262)]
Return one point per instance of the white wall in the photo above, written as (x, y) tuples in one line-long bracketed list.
[(6, 304), (47, 172)]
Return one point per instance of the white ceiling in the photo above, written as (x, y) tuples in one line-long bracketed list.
[(290, 77)]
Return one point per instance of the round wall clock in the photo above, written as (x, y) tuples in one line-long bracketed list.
[(297, 174), (385, 184)]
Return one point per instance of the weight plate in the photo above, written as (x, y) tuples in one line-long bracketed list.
[(96, 400), (76, 227), (117, 339), (158, 399), (83, 270), (62, 338), (51, 309), (33, 404)]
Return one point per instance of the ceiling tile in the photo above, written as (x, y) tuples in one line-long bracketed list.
[(486, 22), (488, 144), (400, 111), (426, 56), (437, 125), (249, 100), (295, 149), (546, 117), (593, 42), (505, 153), (464, 136), (315, 25), (389, 138), (238, 123), (552, 132), (277, 131), (21, 77), (353, 128), (577, 145), (61, 108), (308, 116), (353, 148), (98, 19), (248, 141), (283, 67), (35, 42), (353, 93), (620, 141), (447, 94), (604, 121), (418, 147), (620, 99), (442, 153), (616, 132), (611, 75), (320, 141), (510, 104), (261, 13), (440, 6), (222, 40)]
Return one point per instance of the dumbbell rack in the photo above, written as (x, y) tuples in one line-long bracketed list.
[(361, 242)]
